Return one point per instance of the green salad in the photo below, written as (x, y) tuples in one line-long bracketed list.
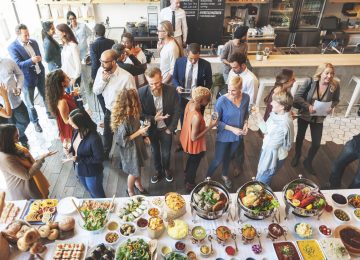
[(94, 219), (176, 256), (134, 250)]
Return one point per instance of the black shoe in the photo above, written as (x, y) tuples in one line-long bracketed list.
[(38, 127), (358, 112), (155, 179), (144, 192), (295, 161), (168, 176), (128, 194), (308, 167)]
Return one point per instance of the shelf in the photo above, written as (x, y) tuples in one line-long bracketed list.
[(125, 2), (246, 1), (48, 2), (281, 11)]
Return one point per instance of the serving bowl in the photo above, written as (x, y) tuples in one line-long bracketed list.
[(339, 200), (204, 209), (325, 231), (112, 238), (303, 230), (356, 213), (257, 200), (303, 198), (127, 229), (341, 216), (354, 200)]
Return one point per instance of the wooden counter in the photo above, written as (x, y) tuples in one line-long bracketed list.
[(305, 60)]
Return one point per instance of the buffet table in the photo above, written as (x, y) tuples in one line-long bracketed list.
[(245, 251)]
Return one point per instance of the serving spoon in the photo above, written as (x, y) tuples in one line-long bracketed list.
[(152, 247)]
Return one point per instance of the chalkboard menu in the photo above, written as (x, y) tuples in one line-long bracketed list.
[(205, 20)]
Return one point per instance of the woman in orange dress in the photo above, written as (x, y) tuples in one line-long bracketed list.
[(60, 103), (192, 137)]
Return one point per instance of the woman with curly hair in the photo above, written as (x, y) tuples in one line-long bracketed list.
[(60, 103), (192, 137), (130, 137)]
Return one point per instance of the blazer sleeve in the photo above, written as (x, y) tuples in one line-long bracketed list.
[(336, 96), (145, 106), (18, 75), (208, 75), (299, 96), (175, 118), (15, 55), (176, 74), (97, 151), (95, 63)]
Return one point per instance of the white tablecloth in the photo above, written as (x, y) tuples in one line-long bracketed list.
[(244, 250)]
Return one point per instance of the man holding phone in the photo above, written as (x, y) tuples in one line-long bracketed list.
[(189, 72)]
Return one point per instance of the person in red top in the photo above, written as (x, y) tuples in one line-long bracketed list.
[(60, 103), (192, 137)]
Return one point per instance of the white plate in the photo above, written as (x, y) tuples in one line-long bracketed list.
[(122, 206), (66, 207), (91, 249)]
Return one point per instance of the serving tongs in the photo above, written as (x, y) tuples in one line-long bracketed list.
[(276, 216), (233, 236)]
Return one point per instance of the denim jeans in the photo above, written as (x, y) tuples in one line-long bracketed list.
[(108, 134), (20, 118), (267, 175), (239, 154), (192, 165), (223, 153), (316, 134), (161, 148), (349, 153), (29, 98), (93, 185)]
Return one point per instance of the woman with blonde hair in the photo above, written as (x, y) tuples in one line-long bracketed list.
[(323, 88), (130, 137), (192, 137), (232, 109), (278, 133), (169, 50)]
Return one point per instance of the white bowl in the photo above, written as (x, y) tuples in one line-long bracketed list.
[(115, 241), (356, 217), (323, 235), (339, 204), (339, 220), (130, 224), (66, 207), (92, 232)]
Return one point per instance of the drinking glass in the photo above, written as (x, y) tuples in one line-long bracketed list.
[(214, 116)]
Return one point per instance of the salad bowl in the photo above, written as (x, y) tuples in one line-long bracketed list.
[(136, 246), (257, 200), (94, 221)]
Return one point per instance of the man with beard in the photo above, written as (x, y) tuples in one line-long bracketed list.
[(159, 105), (110, 79)]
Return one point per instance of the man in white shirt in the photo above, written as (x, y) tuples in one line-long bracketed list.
[(249, 86), (110, 79), (177, 17), (249, 81), (13, 78)]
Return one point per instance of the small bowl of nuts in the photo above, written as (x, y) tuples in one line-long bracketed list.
[(112, 238)]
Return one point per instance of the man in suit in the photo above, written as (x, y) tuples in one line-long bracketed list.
[(100, 45), (25, 52), (189, 72), (160, 105)]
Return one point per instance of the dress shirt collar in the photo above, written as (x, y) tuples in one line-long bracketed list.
[(24, 43)]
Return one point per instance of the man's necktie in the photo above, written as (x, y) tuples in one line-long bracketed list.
[(189, 78), (173, 20)]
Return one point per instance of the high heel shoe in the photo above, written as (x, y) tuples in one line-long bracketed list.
[(128, 193), (144, 192)]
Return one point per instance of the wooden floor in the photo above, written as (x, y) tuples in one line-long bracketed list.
[(64, 183)]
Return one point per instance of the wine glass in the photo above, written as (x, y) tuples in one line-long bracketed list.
[(146, 122), (214, 116), (76, 89), (16, 92)]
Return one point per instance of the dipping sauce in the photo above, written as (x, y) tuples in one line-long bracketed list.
[(180, 246), (111, 237), (339, 199), (112, 226), (205, 250), (166, 250), (198, 232), (191, 255), (230, 250), (142, 223)]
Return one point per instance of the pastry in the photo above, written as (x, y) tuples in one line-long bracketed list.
[(53, 224), (31, 236), (22, 245), (44, 231), (14, 227), (37, 248), (67, 224), (54, 234)]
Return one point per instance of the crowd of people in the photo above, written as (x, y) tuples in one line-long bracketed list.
[(142, 106)]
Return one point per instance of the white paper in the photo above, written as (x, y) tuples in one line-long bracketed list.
[(321, 108)]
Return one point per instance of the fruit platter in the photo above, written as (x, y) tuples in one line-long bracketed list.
[(210, 199), (257, 200), (133, 208), (304, 198), (40, 211)]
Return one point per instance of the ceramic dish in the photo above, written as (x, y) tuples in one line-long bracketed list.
[(356, 213), (205, 250), (66, 206), (133, 208), (334, 249), (303, 230), (341, 216), (176, 256), (101, 250), (310, 250), (112, 225), (165, 250), (350, 236), (286, 250), (339, 200), (127, 229), (112, 238), (354, 200), (325, 231)]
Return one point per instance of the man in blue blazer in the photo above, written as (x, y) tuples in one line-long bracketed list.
[(25, 52), (100, 45), (199, 71)]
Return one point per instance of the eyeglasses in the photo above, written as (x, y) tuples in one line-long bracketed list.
[(104, 62), (71, 19)]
